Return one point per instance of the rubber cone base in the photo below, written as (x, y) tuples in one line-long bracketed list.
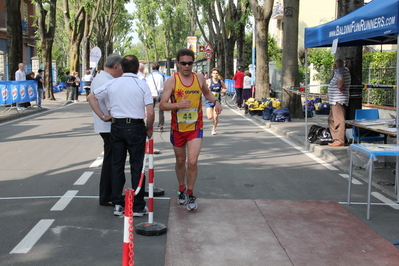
[(157, 192), (150, 229)]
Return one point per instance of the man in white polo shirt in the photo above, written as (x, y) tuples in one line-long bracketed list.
[(129, 100), (112, 69)]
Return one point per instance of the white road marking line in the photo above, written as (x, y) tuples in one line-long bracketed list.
[(32, 237), (97, 162), (83, 178), (365, 203), (354, 180), (384, 199), (76, 197), (64, 200), (307, 153)]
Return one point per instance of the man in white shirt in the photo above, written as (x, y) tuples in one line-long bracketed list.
[(140, 73), (20, 76), (113, 69), (155, 81), (130, 101)]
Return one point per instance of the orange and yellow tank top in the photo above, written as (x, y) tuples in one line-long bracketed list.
[(188, 119)]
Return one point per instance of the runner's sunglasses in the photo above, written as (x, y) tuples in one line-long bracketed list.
[(186, 63)]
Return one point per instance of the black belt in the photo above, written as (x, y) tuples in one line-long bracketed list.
[(127, 121)]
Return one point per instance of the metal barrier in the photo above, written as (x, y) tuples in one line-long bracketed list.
[(150, 228), (14, 92)]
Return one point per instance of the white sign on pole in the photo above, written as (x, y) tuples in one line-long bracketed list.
[(95, 56), (334, 46), (192, 44)]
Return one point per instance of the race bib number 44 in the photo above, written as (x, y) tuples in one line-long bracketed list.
[(187, 116)]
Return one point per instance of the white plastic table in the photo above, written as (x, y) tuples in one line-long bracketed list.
[(365, 155)]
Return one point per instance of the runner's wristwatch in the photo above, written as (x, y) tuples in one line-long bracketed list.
[(217, 100)]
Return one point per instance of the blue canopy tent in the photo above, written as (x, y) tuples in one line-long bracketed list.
[(372, 24)]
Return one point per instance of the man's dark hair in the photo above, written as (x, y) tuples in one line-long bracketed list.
[(183, 52), (155, 66), (130, 64), (339, 62), (40, 71), (239, 68), (67, 73)]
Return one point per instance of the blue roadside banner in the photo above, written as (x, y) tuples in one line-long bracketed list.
[(18, 91)]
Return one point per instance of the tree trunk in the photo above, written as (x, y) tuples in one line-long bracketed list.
[(229, 55), (74, 55), (47, 46), (240, 37), (262, 61), (293, 102), (86, 48), (262, 16), (353, 56), (47, 37), (14, 36), (290, 43), (75, 29)]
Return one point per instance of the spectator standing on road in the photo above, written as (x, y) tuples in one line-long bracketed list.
[(76, 86), (155, 81), (39, 79), (338, 94), (238, 85), (20, 76), (140, 74), (30, 76), (129, 98), (184, 90), (87, 78), (112, 69), (217, 87), (246, 90), (69, 81)]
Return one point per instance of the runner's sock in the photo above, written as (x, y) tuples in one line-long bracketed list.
[(189, 192), (182, 187)]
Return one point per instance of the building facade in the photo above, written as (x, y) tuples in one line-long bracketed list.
[(28, 46)]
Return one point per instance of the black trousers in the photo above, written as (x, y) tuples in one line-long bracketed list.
[(106, 170), (128, 137), (239, 97)]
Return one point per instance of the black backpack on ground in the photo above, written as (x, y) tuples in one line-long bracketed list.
[(268, 111), (281, 115), (324, 109), (319, 135)]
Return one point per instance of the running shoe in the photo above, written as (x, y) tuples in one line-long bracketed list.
[(213, 131), (118, 210), (191, 204), (182, 199), (141, 213)]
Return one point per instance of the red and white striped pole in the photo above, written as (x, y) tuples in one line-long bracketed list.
[(128, 253), (151, 181), (150, 228)]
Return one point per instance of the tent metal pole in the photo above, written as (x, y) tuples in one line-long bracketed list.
[(306, 99), (397, 118)]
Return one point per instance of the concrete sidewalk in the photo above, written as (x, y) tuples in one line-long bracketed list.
[(272, 232), (383, 177), (11, 113)]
